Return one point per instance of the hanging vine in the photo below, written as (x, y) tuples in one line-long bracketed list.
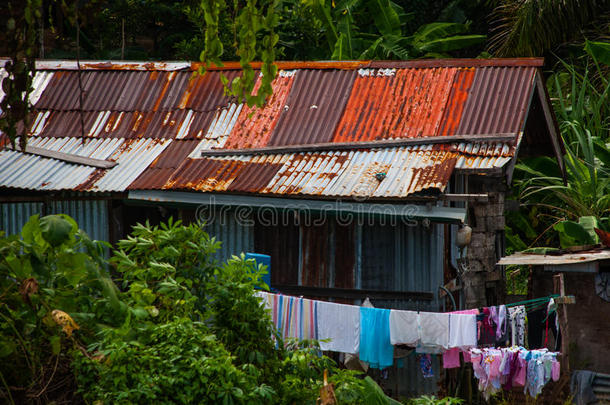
[(254, 32), (21, 30)]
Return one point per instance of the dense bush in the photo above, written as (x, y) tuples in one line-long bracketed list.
[(175, 362), (181, 328)]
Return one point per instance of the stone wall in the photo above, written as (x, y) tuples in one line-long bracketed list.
[(483, 281)]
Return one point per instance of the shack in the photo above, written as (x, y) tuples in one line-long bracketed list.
[(585, 276), (354, 177)]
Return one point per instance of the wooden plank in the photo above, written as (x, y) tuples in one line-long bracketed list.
[(466, 197), (562, 313), (336, 146), (68, 157), (551, 123)]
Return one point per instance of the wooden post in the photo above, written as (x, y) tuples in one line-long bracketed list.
[(562, 313)]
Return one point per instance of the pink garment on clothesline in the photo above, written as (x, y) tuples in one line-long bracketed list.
[(451, 358)]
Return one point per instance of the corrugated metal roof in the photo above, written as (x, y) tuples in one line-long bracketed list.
[(308, 105), (498, 100), (408, 170), (315, 105), (27, 171), (134, 111)]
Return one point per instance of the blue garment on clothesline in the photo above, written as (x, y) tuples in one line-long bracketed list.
[(375, 346)]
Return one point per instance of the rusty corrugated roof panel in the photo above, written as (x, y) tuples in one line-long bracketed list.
[(460, 89), (315, 105), (350, 174), (164, 166), (255, 125), (114, 90), (114, 124), (205, 92), (498, 101), (395, 103), (222, 175)]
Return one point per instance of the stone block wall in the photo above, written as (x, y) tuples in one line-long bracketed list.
[(483, 285)]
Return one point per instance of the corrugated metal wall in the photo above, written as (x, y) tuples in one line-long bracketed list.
[(234, 229), (90, 215), (15, 215), (403, 257), (408, 381)]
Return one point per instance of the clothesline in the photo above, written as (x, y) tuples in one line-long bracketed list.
[(372, 334)]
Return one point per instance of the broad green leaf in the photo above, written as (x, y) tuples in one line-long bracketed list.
[(393, 45), (514, 241), (370, 52), (57, 229), (451, 43), (437, 30), (540, 250), (600, 51), (31, 230), (572, 234), (589, 223), (322, 10), (385, 17), (21, 266), (73, 267)]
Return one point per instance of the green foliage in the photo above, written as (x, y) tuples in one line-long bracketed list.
[(165, 269), (52, 267), (442, 37), (17, 84), (175, 362), (535, 27), (599, 51), (348, 23), (183, 329), (547, 202), (432, 400), (255, 36), (572, 234)]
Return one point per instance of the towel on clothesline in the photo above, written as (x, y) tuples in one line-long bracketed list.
[(375, 345), (341, 324)]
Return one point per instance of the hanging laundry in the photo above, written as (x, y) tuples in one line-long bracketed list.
[(433, 332), (404, 327), (516, 316), (498, 317), (497, 368), (451, 358), (308, 323), (375, 345), (341, 324), (425, 364), (462, 331), (293, 317), (486, 334)]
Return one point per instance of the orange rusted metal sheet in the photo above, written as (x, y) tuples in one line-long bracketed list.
[(395, 103), (255, 125), (221, 175), (460, 89)]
